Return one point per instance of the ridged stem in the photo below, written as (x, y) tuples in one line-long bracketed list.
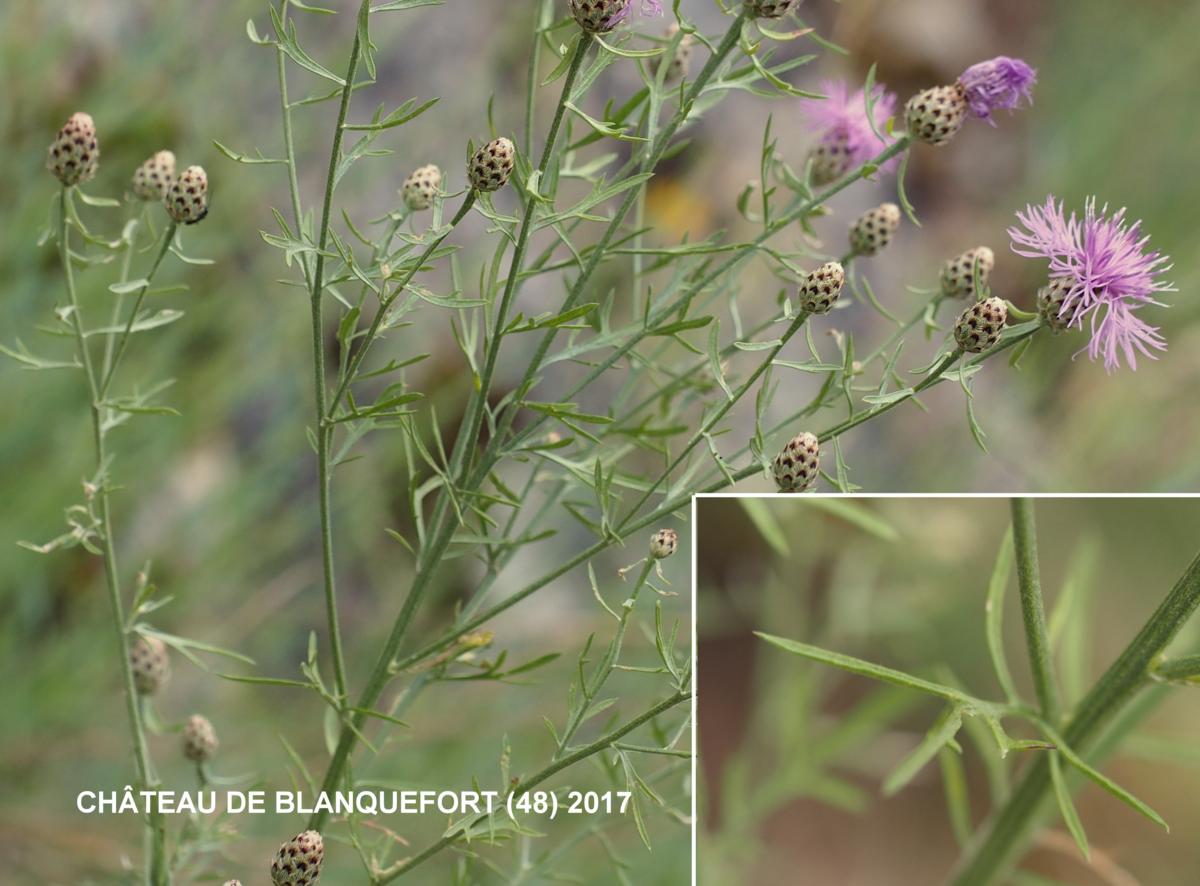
[(155, 868), (1033, 612), (998, 843)]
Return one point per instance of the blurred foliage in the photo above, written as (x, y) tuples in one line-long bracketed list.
[(794, 755)]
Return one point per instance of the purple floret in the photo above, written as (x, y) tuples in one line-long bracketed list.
[(1000, 82), (649, 7), (1112, 275), (841, 117)]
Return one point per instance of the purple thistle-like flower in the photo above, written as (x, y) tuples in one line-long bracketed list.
[(1000, 82), (649, 7), (840, 119), (1110, 272)]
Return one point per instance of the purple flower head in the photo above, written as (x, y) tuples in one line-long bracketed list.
[(840, 120), (649, 7), (1110, 272), (1000, 82)]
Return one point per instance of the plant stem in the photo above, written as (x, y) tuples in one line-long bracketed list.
[(997, 843), (141, 754), (707, 427), (1033, 611), (855, 420), (478, 402), (123, 341), (668, 507), (599, 250), (443, 522), (528, 784), (386, 302), (323, 431), (604, 670), (289, 142), (119, 299)]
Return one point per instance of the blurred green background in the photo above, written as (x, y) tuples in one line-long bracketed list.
[(793, 753), (222, 499)]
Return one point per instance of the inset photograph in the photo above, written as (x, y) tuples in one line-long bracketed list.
[(960, 691)]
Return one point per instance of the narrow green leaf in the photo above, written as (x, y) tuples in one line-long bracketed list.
[(1105, 782), (766, 522), (866, 668), (856, 513), (943, 731), (1067, 807), (954, 785), (994, 608)]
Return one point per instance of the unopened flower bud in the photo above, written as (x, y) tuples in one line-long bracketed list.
[(821, 288), (798, 463), (150, 664), (199, 739), (421, 187), (599, 16), (298, 861), (682, 59), (958, 273), (1050, 300), (663, 543), (979, 326), (770, 8), (873, 230), (476, 640), (187, 198), (491, 165), (153, 178), (75, 153), (935, 115)]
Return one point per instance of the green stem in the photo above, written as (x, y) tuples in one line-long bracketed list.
[(605, 668), (1033, 612), (528, 784), (141, 753), (123, 341), (386, 302), (669, 506), (855, 420), (599, 250), (445, 525), (478, 402), (289, 142), (707, 427), (119, 299), (323, 431), (999, 841)]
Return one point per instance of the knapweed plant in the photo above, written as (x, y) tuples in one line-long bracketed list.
[(599, 412), (1069, 741)]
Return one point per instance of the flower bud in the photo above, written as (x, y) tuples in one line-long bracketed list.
[(75, 153), (798, 463), (770, 8), (935, 115), (491, 165), (421, 187), (821, 288), (979, 326), (298, 861), (682, 59), (153, 178), (663, 543), (187, 198), (150, 664), (874, 228), (958, 273), (199, 739), (599, 16), (1050, 300)]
